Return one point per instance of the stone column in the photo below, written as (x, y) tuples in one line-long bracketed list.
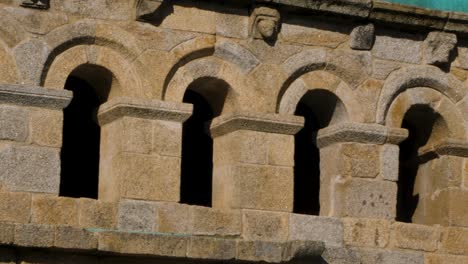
[(443, 193), (359, 170), (141, 149), (31, 121), (253, 161)]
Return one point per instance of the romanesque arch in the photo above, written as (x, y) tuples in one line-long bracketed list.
[(323, 99), (424, 102)]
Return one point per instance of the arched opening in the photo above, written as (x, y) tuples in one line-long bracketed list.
[(207, 96), (319, 108), (425, 127), (90, 85)]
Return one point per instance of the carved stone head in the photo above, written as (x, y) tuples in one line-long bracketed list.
[(265, 23)]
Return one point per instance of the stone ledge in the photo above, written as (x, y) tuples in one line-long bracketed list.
[(392, 14), (269, 123), (34, 96), (155, 244), (143, 108), (447, 147), (360, 133)]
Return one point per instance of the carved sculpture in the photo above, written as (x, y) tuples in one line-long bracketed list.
[(265, 22), (40, 4)]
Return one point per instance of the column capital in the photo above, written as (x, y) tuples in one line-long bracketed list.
[(35, 96), (360, 133), (269, 123), (143, 108)]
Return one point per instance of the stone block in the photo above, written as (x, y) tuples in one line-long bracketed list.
[(97, 214), (14, 123), (264, 226), (362, 37), (371, 256), (143, 244), (167, 138), (389, 47), (459, 207), (360, 160), (280, 150), (383, 68), (316, 228), (367, 199), (128, 243), (30, 57), (316, 33), (172, 218), (366, 232), (137, 136), (175, 246), (51, 210), (15, 207), (74, 238), (214, 222), (438, 47), (7, 233), (455, 240), (389, 162), (233, 23), (186, 18), (352, 67), (260, 251), (240, 146), (137, 216), (255, 187), (417, 237), (445, 259), (47, 127), (211, 248), (30, 169), (148, 177), (32, 235)]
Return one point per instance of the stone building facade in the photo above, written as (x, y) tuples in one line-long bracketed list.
[(306, 131)]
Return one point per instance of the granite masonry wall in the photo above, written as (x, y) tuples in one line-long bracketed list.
[(378, 78)]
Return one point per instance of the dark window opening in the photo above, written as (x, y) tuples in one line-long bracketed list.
[(81, 132), (419, 120), (207, 95), (319, 108)]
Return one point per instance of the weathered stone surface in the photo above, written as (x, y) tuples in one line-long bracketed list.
[(38, 22), (455, 240), (167, 138), (74, 238), (389, 48), (7, 233), (417, 237), (389, 162), (260, 251), (366, 232), (368, 256), (362, 37), (28, 168), (46, 128), (149, 177), (130, 243), (31, 235), (137, 216), (173, 218), (97, 214), (316, 228), (438, 47), (34, 96), (265, 226), (235, 53), (360, 160), (353, 67), (30, 58), (444, 259), (15, 207), (211, 248), (14, 123), (369, 198), (232, 23), (207, 221), (51, 210)]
